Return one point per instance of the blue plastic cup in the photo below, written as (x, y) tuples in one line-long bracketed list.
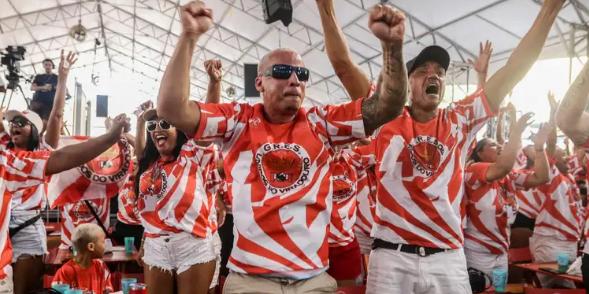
[(562, 259), (499, 279), (74, 291), (126, 283), (129, 245), (61, 288)]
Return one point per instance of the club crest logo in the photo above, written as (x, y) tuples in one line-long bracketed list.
[(109, 167), (343, 188), (154, 185), (283, 167), (426, 154)]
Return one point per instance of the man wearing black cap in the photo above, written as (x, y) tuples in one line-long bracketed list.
[(420, 169)]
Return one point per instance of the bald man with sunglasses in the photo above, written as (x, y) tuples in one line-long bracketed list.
[(277, 155)]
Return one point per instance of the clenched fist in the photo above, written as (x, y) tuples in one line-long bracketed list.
[(196, 18), (120, 124), (387, 23), (214, 68)]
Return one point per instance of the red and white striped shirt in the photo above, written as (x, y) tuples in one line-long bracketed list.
[(75, 214), (529, 200), (173, 197), (561, 214), (214, 185), (490, 208), (279, 180), (127, 200), (577, 168), (363, 161), (420, 172), (343, 215), (18, 170), (33, 198)]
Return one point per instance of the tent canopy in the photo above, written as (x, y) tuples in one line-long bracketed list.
[(138, 36)]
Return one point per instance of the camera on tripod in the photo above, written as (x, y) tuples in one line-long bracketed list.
[(11, 59)]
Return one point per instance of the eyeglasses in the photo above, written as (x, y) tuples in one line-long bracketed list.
[(151, 125), (283, 72), (19, 122)]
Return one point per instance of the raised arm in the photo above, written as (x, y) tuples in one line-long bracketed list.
[(510, 111), (140, 132), (172, 102), (481, 65), (215, 70), (387, 24), (540, 174), (571, 117), (524, 55), (350, 74), (74, 155), (552, 135), (53, 130), (506, 159)]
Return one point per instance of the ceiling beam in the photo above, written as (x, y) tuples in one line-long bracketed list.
[(491, 5), (99, 8), (60, 7)]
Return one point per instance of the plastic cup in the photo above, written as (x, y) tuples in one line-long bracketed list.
[(61, 288), (74, 291), (129, 245), (126, 284), (562, 259), (499, 279)]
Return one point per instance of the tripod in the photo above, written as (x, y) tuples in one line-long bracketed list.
[(11, 86)]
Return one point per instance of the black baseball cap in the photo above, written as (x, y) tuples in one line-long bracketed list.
[(431, 53)]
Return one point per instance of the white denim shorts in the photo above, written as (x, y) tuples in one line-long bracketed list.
[(31, 240), (217, 247), (178, 252)]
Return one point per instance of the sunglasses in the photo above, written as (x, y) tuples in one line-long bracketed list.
[(19, 122), (151, 125), (283, 72)]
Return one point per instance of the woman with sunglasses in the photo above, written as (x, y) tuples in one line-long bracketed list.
[(490, 184), (27, 231), (175, 209), (22, 169)]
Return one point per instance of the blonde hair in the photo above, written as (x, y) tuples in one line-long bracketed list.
[(84, 234)]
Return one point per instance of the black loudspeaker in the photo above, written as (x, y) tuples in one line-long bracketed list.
[(277, 10), (101, 105), (250, 72)]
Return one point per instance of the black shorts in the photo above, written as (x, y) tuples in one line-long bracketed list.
[(43, 109)]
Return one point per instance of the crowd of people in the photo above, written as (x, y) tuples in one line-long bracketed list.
[(389, 189)]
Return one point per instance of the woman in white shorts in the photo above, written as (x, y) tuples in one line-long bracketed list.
[(27, 231), (174, 209)]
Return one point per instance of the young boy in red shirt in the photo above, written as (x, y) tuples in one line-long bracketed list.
[(86, 270)]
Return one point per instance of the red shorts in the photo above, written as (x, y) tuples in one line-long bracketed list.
[(345, 262)]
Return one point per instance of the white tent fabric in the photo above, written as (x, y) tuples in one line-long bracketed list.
[(137, 37)]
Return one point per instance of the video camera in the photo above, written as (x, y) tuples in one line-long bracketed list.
[(11, 59)]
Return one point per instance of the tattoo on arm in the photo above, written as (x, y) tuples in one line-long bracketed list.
[(369, 108), (388, 100)]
